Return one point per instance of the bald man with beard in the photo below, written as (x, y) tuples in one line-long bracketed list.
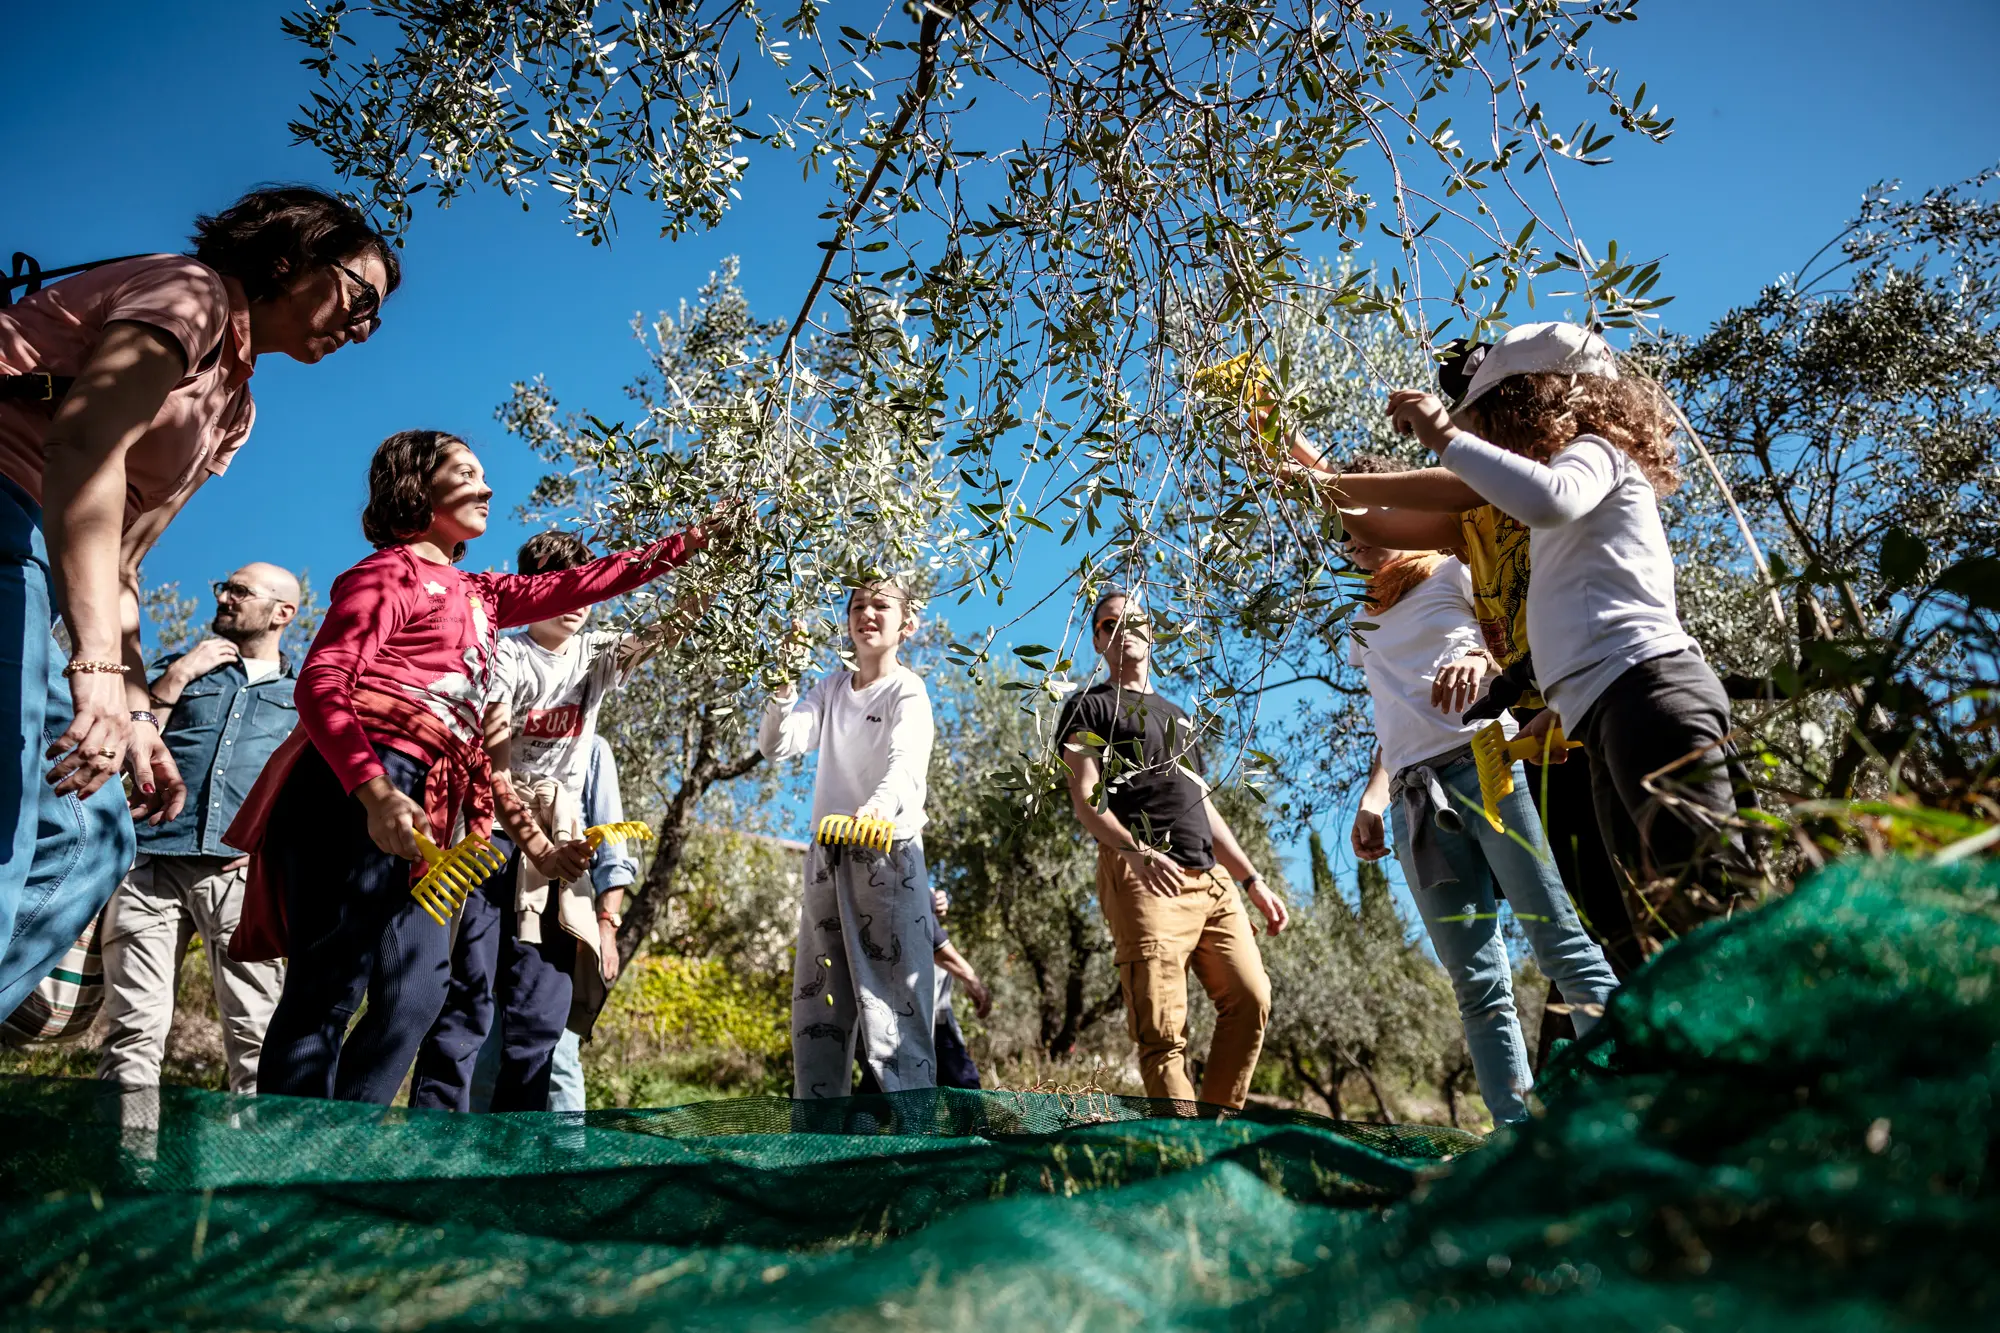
[(222, 707)]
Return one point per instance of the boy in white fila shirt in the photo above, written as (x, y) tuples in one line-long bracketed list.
[(535, 952), (865, 979)]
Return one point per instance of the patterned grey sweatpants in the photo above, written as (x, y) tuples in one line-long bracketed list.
[(865, 978)]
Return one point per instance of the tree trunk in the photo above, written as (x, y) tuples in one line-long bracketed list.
[(645, 903), (1449, 1087), (1048, 1013), (1077, 1013), (1360, 1063), (1328, 1093)]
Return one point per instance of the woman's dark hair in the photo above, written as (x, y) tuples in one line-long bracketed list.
[(269, 238), (546, 551), (399, 486)]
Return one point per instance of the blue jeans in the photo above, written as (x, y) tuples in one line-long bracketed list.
[(64, 856), (612, 868), (1462, 916), (566, 1074)]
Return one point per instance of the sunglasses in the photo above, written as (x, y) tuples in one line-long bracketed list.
[(366, 306), (1131, 620), (236, 592)]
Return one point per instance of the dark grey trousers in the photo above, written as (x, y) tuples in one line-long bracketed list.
[(1670, 717)]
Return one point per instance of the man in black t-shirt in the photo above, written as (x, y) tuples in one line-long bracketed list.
[(1167, 869)]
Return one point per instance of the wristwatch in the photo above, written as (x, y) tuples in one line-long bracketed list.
[(616, 919), (1253, 878)]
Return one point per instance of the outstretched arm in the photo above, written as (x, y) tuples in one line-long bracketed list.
[(1431, 490), (1541, 495), (1403, 529), (790, 724), (522, 599)]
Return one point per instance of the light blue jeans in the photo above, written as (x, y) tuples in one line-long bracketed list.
[(1462, 916), (566, 1074), (64, 857)]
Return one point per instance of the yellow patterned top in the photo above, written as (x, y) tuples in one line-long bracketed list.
[(1496, 551)]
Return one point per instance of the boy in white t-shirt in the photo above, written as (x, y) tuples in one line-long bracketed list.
[(1425, 662), (865, 978), (534, 952)]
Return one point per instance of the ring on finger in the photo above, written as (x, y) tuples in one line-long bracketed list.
[(107, 752)]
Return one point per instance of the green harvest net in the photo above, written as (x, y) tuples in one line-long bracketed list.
[(1784, 1123)]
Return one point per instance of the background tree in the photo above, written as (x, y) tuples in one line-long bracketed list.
[(1851, 410), (1026, 882), (1353, 997)]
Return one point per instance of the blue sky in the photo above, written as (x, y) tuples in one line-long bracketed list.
[(123, 120)]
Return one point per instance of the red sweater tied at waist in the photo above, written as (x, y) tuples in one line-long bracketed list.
[(460, 782)]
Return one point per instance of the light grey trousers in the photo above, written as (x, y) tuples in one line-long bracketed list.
[(865, 981), (164, 901)]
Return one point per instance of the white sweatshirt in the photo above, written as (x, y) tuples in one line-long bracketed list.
[(874, 744), (1601, 584)]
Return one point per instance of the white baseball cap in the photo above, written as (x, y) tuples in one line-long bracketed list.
[(1536, 348)]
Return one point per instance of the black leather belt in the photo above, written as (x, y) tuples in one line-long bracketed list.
[(37, 386)]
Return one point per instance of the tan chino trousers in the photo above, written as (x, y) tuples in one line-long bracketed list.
[(1157, 938), (163, 902)]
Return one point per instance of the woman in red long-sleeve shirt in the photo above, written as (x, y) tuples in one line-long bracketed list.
[(391, 699)]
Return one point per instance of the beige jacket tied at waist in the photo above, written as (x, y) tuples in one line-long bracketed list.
[(560, 814)]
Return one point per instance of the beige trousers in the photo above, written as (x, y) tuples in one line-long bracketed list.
[(146, 928), (1157, 938)]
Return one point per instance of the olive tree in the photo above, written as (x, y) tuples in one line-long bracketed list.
[(1851, 412), (1024, 881), (1070, 205), (1354, 996)]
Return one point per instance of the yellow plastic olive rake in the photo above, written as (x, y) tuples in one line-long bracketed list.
[(629, 830), (1494, 755), (453, 875), (847, 831)]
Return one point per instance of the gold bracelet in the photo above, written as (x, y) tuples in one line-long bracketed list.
[(94, 668)]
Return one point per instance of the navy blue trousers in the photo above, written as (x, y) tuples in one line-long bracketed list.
[(354, 931), (498, 976)]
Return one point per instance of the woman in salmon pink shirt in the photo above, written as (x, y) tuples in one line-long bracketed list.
[(391, 700), (122, 390)]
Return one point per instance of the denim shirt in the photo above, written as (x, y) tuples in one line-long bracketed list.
[(221, 732)]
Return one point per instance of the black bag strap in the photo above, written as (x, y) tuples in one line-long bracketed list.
[(40, 386), (29, 275)]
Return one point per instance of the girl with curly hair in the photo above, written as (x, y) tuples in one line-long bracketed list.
[(392, 698), (1551, 433)]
